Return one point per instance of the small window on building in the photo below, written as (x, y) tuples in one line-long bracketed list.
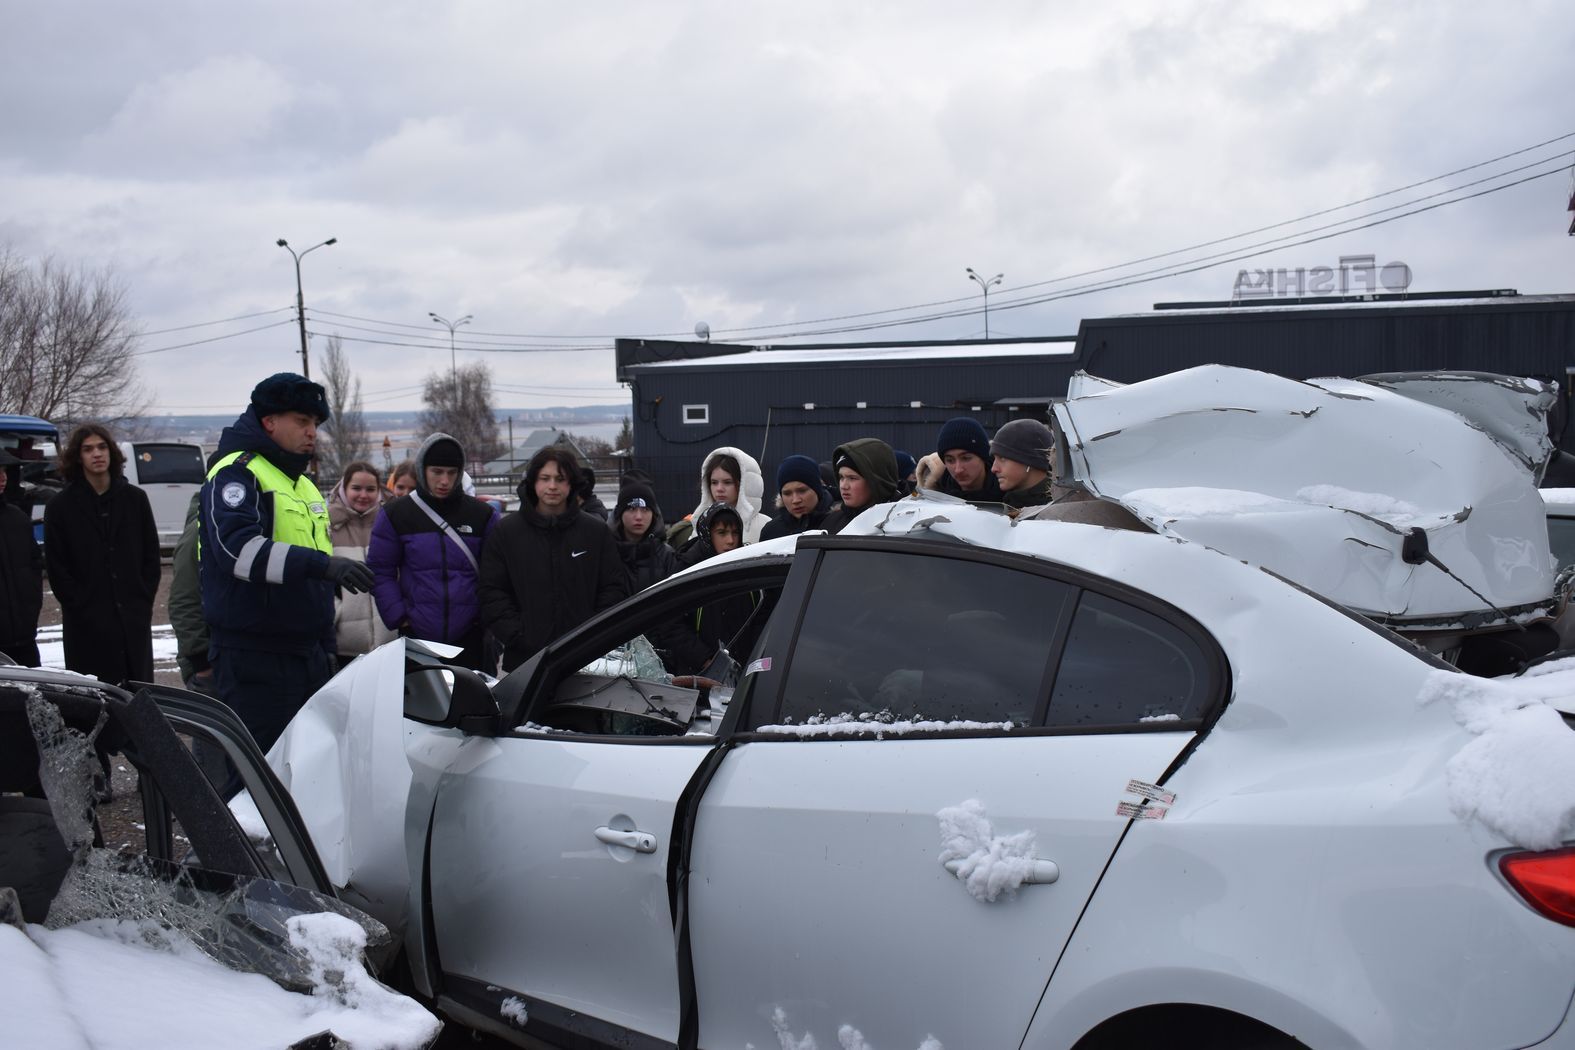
[(697, 413)]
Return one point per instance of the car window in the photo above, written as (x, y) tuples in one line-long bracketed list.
[(1561, 538), (1124, 665), (671, 672), (169, 464), (892, 637)]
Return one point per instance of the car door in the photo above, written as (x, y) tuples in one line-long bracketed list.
[(550, 847), (936, 704)]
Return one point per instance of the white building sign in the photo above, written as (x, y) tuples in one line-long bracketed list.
[(1356, 274)]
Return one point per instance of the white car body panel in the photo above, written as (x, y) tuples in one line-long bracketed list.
[(800, 842), (1284, 474), (1323, 776), (1310, 873), (342, 757), (525, 895)]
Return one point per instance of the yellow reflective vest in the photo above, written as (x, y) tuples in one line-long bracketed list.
[(300, 514)]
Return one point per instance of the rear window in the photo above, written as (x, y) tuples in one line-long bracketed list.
[(169, 464)]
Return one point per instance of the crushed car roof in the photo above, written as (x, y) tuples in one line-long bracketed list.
[(1322, 481)]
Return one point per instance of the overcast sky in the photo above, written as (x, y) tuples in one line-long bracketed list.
[(596, 170)]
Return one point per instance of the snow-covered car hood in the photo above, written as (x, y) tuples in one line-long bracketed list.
[(1320, 481)]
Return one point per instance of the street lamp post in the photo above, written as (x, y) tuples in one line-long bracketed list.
[(300, 300), (985, 286), (453, 371)]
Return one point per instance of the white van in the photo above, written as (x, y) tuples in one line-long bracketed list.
[(169, 472)]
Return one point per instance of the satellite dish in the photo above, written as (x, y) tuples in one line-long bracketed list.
[(703, 332)]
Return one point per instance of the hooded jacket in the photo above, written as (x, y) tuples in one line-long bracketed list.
[(875, 462), (1033, 496), (422, 582), (258, 593), (542, 575), (751, 495)]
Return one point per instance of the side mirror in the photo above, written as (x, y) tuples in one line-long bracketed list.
[(451, 696)]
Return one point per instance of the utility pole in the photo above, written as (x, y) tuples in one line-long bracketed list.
[(985, 287), (300, 299)]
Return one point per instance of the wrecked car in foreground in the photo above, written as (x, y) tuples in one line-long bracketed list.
[(963, 781), (180, 941)]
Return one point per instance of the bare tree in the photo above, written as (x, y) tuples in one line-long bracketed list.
[(67, 344), (460, 404), (345, 435)]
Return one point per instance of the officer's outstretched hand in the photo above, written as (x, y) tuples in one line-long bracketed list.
[(348, 574)]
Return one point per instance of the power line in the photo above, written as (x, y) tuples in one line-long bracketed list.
[(1180, 270), (214, 339), (206, 324)]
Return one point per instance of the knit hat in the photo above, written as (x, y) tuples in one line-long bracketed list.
[(636, 494), (906, 465), (801, 469), (288, 392), (965, 433), (443, 451), (1025, 441)]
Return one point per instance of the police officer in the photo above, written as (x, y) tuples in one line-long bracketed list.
[(266, 561)]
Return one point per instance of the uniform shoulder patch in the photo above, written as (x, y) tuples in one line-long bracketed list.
[(232, 494)]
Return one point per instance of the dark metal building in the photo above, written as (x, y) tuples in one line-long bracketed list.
[(689, 398)]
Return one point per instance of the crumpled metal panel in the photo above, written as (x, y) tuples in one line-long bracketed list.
[(1513, 410), (1319, 481)]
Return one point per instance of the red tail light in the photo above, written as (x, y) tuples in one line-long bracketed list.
[(1546, 880)]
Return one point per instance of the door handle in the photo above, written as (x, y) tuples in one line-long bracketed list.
[(1042, 873), (639, 841)]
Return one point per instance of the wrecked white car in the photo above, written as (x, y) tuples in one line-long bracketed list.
[(103, 947), (963, 781)]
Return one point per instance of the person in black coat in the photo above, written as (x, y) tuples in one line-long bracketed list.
[(21, 578), (706, 629), (805, 502), (547, 567), (101, 549)]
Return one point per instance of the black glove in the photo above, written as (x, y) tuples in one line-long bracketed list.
[(348, 574)]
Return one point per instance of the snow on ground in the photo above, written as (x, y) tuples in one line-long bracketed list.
[(1517, 777), (990, 864), (99, 985), (52, 649)]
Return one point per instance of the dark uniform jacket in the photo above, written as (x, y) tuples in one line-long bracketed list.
[(259, 594), (542, 575), (102, 555)]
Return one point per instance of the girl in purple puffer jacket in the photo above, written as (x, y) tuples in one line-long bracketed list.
[(425, 550)]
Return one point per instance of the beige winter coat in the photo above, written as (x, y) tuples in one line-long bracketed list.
[(356, 623)]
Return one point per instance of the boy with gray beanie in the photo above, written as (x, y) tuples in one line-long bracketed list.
[(1022, 450)]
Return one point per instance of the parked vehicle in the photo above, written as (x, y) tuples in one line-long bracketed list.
[(34, 481), (1183, 763), (170, 472)]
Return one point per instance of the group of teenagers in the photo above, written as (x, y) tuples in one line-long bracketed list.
[(447, 567), (275, 586)]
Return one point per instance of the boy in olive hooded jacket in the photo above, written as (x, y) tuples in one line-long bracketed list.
[(866, 475)]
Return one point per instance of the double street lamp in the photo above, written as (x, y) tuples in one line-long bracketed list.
[(453, 371), (985, 286), (300, 300)]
